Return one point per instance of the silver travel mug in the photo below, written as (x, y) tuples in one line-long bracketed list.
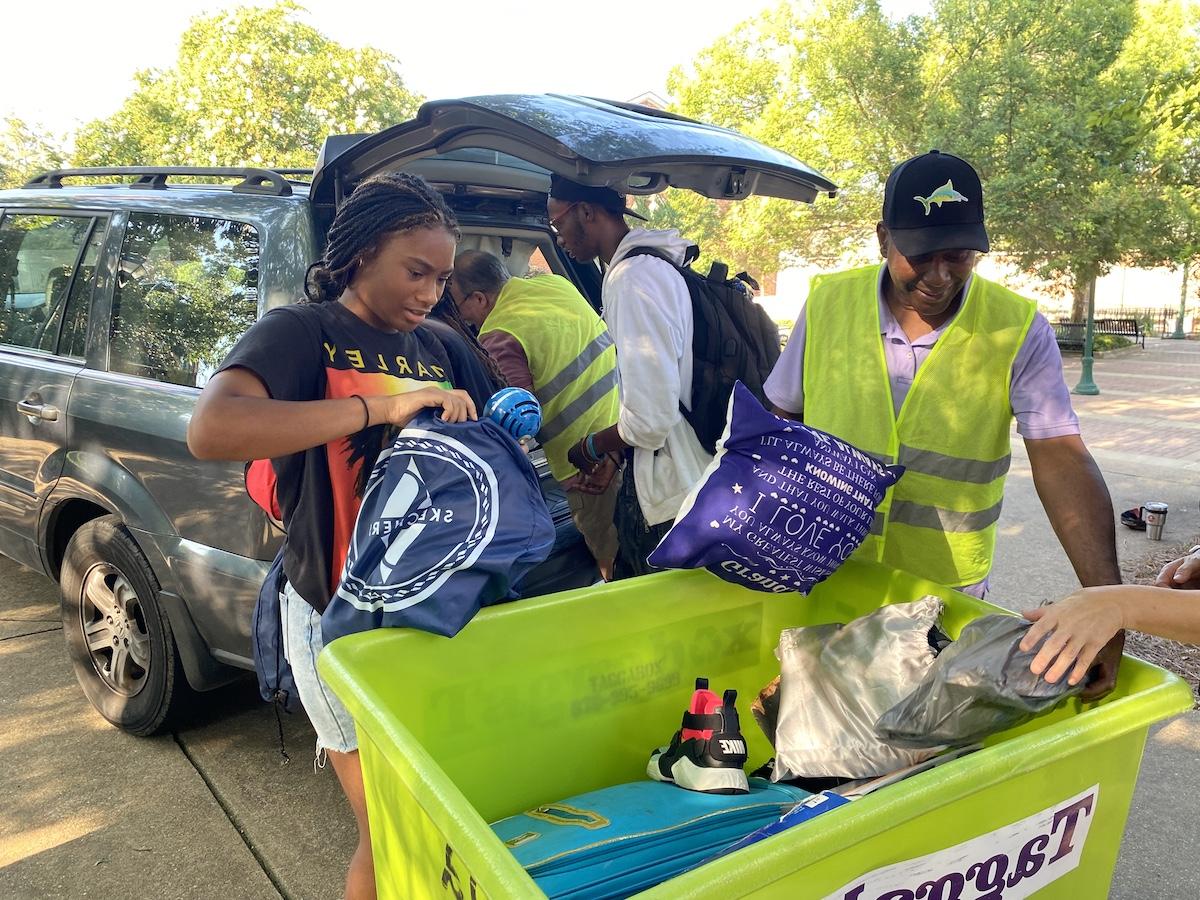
[(1155, 516)]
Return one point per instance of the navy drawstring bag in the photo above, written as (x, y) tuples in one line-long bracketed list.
[(452, 517), (275, 682)]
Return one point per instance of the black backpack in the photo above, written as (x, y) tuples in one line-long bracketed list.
[(733, 339)]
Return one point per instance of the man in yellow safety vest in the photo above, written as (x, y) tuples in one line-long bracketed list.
[(920, 361), (547, 339)]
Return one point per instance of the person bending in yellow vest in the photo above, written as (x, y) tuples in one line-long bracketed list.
[(922, 362), (547, 339)]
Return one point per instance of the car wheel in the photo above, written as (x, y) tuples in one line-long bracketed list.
[(118, 638)]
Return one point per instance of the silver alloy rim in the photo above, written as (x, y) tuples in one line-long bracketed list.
[(114, 628)]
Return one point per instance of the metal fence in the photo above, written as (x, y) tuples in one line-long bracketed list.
[(1154, 322)]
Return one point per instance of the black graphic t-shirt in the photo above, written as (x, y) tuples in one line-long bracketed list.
[(324, 351)]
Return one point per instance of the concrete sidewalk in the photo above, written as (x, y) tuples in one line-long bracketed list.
[(1144, 430), (210, 811)]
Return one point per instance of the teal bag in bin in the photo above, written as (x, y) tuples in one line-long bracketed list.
[(623, 839)]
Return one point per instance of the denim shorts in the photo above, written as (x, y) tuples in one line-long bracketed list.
[(302, 642)]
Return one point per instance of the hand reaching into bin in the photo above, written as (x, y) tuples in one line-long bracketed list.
[(1078, 627), (1181, 573)]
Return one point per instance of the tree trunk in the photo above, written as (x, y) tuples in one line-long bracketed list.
[(1183, 298), (1079, 297)]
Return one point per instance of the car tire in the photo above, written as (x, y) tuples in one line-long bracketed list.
[(118, 638)]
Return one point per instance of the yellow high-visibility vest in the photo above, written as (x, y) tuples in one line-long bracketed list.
[(952, 432), (571, 357)]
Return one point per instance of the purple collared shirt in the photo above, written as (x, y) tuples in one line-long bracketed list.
[(1037, 393)]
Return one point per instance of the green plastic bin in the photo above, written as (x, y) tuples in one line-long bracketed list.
[(547, 698)]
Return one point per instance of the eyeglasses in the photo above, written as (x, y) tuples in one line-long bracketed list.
[(459, 304), (553, 223)]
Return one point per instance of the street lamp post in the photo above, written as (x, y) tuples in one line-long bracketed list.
[(1086, 384)]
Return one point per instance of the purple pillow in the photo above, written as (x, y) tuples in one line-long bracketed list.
[(781, 506)]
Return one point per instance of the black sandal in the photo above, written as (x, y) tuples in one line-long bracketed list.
[(1132, 518)]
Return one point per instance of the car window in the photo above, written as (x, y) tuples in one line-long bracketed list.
[(187, 289), (538, 264), (38, 255), (73, 338)]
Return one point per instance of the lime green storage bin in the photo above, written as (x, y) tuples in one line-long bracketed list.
[(547, 698)]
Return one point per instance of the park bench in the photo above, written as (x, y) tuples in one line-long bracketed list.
[(1070, 334)]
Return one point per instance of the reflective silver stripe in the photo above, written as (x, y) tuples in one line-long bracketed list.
[(922, 516), (877, 523), (577, 407), (574, 368), (956, 468), (883, 459)]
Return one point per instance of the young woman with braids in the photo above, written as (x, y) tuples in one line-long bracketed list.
[(316, 388)]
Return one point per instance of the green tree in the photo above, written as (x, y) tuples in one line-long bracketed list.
[(1021, 105), (832, 83), (1081, 118), (251, 86), (26, 150), (1161, 65)]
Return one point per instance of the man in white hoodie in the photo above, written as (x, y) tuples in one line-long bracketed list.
[(649, 314)]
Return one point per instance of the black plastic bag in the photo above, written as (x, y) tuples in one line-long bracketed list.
[(977, 686)]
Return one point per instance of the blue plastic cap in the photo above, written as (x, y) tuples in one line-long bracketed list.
[(516, 411)]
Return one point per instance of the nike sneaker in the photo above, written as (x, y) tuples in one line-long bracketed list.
[(708, 752)]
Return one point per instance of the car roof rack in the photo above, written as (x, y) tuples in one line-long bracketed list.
[(295, 176), (254, 180)]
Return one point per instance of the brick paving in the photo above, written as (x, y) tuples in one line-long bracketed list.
[(1148, 408)]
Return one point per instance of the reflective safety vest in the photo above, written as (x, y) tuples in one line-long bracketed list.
[(952, 432), (571, 357)]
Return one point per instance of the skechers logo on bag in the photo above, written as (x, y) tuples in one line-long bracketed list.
[(410, 510), (434, 541)]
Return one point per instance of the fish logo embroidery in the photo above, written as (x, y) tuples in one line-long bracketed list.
[(945, 194)]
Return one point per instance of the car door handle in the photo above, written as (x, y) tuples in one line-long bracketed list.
[(35, 410)]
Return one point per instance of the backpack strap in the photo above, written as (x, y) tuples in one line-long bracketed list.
[(689, 256)]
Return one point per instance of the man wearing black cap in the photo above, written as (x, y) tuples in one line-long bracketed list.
[(922, 362), (648, 311)]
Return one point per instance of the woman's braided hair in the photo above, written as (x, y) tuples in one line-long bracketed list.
[(383, 205), (446, 311)]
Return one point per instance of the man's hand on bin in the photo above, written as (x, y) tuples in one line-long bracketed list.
[(1181, 573), (1104, 669)]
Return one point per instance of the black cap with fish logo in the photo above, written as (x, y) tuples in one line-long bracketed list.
[(934, 202)]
